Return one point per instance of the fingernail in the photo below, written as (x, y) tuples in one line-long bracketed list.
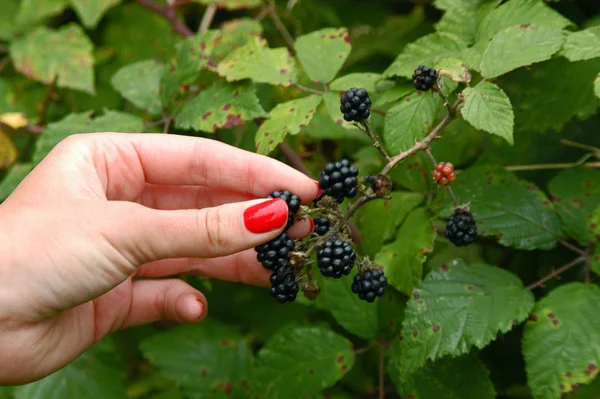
[(200, 312), (320, 191), (266, 216), (312, 224)]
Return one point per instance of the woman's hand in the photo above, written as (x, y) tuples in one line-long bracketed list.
[(103, 208)]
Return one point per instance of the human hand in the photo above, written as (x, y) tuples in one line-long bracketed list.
[(103, 208)]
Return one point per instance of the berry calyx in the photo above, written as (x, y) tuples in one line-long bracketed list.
[(424, 78), (461, 229), (369, 284), (335, 258), (339, 180), (381, 184), (275, 254), (444, 173), (293, 202), (355, 105), (322, 225), (284, 287)]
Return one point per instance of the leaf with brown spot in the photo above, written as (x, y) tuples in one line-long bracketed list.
[(205, 112), (322, 53), (66, 53)]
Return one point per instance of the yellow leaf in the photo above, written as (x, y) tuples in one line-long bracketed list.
[(8, 152), (16, 120)]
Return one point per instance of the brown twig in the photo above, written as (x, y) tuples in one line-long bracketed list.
[(293, 159), (308, 89), (365, 349), (207, 17), (594, 150), (170, 13), (550, 166), (572, 247), (434, 162), (167, 126), (557, 272), (376, 143), (280, 25)]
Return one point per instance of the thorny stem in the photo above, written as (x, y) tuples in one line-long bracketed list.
[(555, 273), (376, 143), (572, 247), (438, 89), (434, 162), (208, 16)]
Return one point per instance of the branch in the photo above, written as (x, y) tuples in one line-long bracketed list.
[(555, 273), (594, 150), (170, 14), (308, 89), (376, 143), (280, 25), (208, 17), (294, 159), (572, 247), (551, 166)]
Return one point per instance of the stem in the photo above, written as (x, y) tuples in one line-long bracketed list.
[(381, 371), (168, 122), (280, 25), (375, 140), (438, 89), (208, 16), (365, 349), (308, 89), (170, 14), (586, 147), (294, 159), (555, 273), (434, 162), (551, 166), (572, 247), (292, 3)]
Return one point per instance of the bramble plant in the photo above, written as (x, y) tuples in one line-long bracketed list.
[(455, 251)]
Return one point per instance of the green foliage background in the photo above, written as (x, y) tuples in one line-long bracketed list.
[(468, 323)]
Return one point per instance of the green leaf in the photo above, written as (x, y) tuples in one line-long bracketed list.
[(424, 50), (378, 221), (332, 103), (518, 46), (91, 11), (411, 119), (458, 307), (14, 176), (207, 361), (286, 118), (66, 53), (298, 362), (322, 53), (6, 393), (365, 80), (597, 86), (234, 34), (464, 377), (488, 108), (232, 4), (393, 94), (139, 83), (256, 61), (582, 45), (461, 17), (454, 69), (561, 341), (32, 11), (8, 23), (111, 121), (594, 260), (193, 55), (521, 12), (8, 98), (403, 259), (513, 210), (354, 314), (220, 106), (391, 313), (576, 195), (96, 374)]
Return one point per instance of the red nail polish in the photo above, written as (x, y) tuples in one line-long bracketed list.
[(320, 192), (266, 216), (312, 224)]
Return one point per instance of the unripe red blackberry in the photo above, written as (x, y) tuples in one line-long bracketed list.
[(444, 173)]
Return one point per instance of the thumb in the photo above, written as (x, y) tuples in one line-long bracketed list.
[(208, 232)]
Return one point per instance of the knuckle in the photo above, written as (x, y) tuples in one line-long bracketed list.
[(212, 222)]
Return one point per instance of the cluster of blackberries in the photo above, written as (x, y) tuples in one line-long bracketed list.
[(461, 229), (369, 284), (335, 258), (444, 173), (424, 78), (339, 180), (322, 225), (275, 254), (355, 105)]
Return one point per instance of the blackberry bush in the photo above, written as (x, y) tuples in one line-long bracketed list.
[(355, 105), (461, 229), (339, 180)]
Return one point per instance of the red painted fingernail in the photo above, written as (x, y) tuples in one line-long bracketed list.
[(320, 192), (201, 308), (266, 216), (312, 224)]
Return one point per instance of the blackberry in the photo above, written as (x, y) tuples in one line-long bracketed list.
[(322, 225), (461, 229), (293, 202), (369, 285), (424, 78), (276, 253), (284, 287), (355, 105), (339, 180), (335, 258)]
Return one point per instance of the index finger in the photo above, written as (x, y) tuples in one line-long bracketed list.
[(184, 160)]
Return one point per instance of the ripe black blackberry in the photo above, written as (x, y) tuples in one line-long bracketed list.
[(424, 78), (369, 284), (276, 253), (335, 258), (356, 105), (461, 229), (293, 202), (284, 287), (339, 180), (322, 225)]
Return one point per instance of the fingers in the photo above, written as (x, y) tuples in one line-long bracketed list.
[(171, 299), (188, 197)]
